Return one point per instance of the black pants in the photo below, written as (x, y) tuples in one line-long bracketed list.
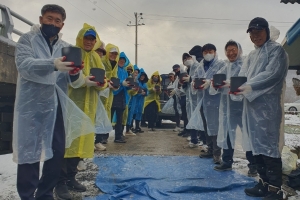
[(183, 111), (151, 113), (227, 156), (177, 116), (202, 134), (194, 136), (269, 169), (28, 174), (118, 125), (69, 169)]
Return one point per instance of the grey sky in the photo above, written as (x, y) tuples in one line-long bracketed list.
[(163, 39)]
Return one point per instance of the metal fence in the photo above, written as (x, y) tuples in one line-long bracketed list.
[(7, 24)]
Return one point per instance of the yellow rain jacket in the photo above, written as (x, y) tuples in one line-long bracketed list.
[(86, 98), (152, 94), (110, 72)]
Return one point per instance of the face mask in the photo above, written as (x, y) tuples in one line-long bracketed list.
[(188, 63), (208, 57), (50, 30), (177, 73), (155, 79)]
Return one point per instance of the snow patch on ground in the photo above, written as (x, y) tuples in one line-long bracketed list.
[(292, 119), (292, 140), (8, 178)]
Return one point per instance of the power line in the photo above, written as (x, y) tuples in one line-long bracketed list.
[(118, 9), (209, 18), (107, 13), (98, 22), (201, 22)]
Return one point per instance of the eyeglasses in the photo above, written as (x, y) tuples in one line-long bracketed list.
[(256, 32), (231, 50)]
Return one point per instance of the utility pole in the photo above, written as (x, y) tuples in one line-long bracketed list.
[(138, 17)]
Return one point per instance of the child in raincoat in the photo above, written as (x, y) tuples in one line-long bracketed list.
[(152, 104), (86, 98)]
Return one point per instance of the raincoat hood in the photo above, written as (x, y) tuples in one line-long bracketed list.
[(142, 72), (156, 73), (79, 38), (240, 51), (127, 62), (108, 48)]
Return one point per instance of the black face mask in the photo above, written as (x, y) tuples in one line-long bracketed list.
[(155, 79), (50, 30), (178, 73)]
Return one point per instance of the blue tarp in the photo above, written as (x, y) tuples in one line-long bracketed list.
[(167, 177)]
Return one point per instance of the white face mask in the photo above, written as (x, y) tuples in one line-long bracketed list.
[(208, 57), (188, 63)]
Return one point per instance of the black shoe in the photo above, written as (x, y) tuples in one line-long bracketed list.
[(186, 134), (120, 140), (259, 190), (274, 193), (138, 130), (217, 160), (206, 155), (223, 167), (181, 133), (73, 184), (252, 172), (61, 192)]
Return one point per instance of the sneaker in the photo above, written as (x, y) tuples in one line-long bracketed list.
[(274, 193), (217, 160), (252, 172), (100, 147), (223, 167), (61, 192), (205, 154), (200, 143), (73, 184), (151, 129), (120, 141), (81, 166), (259, 190), (192, 145), (189, 138), (130, 133), (177, 129)]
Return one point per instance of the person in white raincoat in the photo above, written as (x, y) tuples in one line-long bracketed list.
[(175, 95), (230, 112), (209, 66), (266, 69), (45, 119), (191, 98), (182, 100)]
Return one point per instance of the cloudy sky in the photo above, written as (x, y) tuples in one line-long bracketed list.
[(172, 27)]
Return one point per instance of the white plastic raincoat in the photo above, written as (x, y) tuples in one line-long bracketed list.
[(230, 112), (265, 68), (38, 89), (209, 102)]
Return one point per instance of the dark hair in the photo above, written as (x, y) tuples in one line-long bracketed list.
[(230, 43), (209, 47), (54, 8)]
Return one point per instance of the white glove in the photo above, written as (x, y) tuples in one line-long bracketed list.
[(206, 84), (62, 66), (226, 85), (186, 79), (172, 93), (90, 83), (125, 83), (245, 89)]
